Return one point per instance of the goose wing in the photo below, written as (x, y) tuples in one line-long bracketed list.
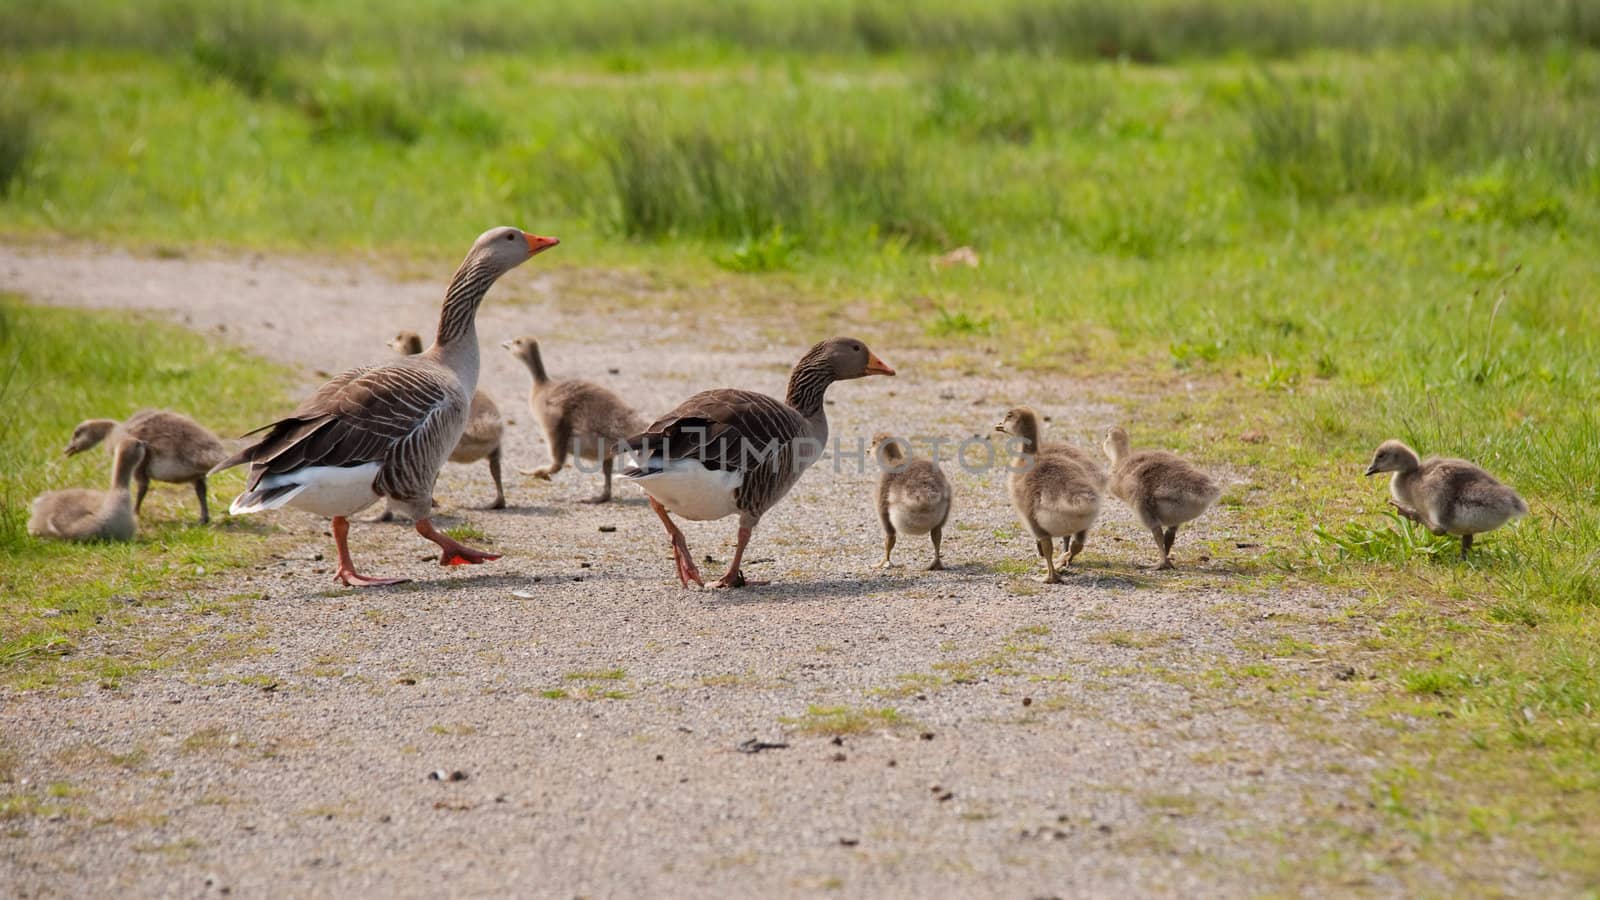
[(403, 416), (725, 430)]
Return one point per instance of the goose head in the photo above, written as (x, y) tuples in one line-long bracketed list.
[(502, 249), (1393, 456), (844, 358)]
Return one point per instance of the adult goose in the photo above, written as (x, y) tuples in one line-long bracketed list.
[(178, 450), (728, 451), (386, 430)]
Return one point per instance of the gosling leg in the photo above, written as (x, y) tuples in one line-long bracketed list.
[(938, 562)]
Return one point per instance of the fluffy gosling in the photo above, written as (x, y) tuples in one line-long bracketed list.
[(80, 514), (1446, 496), (913, 496), (178, 450), (1056, 489), (579, 417), (1162, 489)]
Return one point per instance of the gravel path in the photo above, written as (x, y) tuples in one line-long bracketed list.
[(1090, 738)]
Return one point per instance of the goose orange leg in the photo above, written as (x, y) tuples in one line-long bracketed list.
[(347, 573), (735, 578), (680, 548), (453, 552)]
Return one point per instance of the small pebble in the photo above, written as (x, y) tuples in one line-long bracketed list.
[(926, 735), (607, 529), (849, 842), (1027, 701), (442, 775)]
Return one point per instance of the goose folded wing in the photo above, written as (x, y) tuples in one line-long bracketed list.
[(360, 418), (723, 430)]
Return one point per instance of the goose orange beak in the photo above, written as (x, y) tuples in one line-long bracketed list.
[(537, 244), (876, 366)]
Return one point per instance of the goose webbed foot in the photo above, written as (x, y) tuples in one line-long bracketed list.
[(937, 565), (542, 473), (352, 578), (1407, 512), (451, 551), (499, 503), (597, 499), (735, 578)]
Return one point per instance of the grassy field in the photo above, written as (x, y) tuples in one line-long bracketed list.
[(89, 365), (1340, 222)]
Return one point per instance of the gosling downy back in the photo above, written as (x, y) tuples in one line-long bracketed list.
[(80, 514)]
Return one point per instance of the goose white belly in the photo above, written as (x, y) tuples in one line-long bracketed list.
[(322, 490), (689, 489)]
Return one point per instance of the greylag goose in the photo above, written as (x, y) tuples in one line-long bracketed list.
[(579, 417), (1055, 488), (386, 430), (913, 496), (728, 451), (178, 450), (1162, 489), (480, 439), (1446, 496), (79, 514)]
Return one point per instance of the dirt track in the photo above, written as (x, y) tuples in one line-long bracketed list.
[(1087, 738)]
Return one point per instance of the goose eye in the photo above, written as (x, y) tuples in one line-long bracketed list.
[(511, 237)]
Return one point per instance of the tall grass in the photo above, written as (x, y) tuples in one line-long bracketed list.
[(746, 178), (19, 138), (1397, 133), (1143, 30)]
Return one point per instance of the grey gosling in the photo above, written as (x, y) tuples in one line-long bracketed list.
[(1162, 489), (80, 514), (578, 417), (1446, 496), (1055, 488), (178, 450), (481, 439), (913, 496)]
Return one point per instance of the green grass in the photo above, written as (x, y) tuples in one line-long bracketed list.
[(1326, 223), (104, 365), (838, 720)]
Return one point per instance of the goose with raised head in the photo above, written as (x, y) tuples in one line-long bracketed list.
[(178, 450), (913, 496), (80, 514), (1056, 489), (730, 452), (480, 440), (1446, 496), (1163, 489), (580, 418), (386, 430)]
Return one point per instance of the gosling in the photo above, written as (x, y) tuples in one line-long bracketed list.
[(579, 417), (1162, 489), (913, 496), (178, 450), (1446, 496), (480, 440), (80, 514), (1056, 489)]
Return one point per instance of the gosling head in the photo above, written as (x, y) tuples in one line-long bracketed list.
[(1022, 422), (888, 449), (522, 348), (406, 343), (88, 434), (1393, 456), (499, 250), (1116, 443)]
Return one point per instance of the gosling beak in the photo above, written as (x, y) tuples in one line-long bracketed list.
[(876, 366), (1001, 427), (537, 244), (507, 344), (70, 451), (1372, 470)]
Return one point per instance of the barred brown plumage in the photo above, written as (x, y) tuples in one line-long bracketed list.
[(386, 430), (725, 451)]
